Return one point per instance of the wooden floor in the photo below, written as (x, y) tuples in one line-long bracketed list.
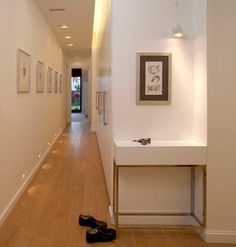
[(77, 117), (69, 183)]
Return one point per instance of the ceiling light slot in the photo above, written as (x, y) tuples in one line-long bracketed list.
[(57, 10)]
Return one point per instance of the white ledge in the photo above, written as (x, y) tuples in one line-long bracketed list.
[(160, 152)]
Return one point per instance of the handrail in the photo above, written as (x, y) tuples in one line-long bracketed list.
[(98, 102)]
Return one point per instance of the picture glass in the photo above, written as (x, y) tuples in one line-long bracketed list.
[(40, 77), (153, 78), (60, 84), (49, 80), (56, 82), (23, 75)]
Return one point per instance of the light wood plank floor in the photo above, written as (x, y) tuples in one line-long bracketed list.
[(77, 117), (69, 183)]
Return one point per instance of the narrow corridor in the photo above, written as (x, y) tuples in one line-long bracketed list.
[(70, 182)]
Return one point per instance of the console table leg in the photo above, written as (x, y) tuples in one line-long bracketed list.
[(114, 189), (192, 190), (204, 195), (117, 197)]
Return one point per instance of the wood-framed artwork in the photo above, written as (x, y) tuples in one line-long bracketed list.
[(60, 83), (55, 82), (153, 78), (40, 77), (23, 71), (49, 80)]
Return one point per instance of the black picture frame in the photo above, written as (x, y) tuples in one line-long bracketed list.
[(153, 78)]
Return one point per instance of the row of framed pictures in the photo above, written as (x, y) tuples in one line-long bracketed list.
[(53, 78)]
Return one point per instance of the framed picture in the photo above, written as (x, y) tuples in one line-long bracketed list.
[(49, 80), (60, 83), (23, 71), (40, 77), (55, 82), (153, 78)]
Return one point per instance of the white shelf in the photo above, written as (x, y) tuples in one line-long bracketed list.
[(162, 152)]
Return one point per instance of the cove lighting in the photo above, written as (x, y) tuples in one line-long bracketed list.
[(63, 26)]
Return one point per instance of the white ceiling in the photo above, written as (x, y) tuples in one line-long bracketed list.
[(78, 15)]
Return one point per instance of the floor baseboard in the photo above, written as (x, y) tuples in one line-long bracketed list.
[(112, 220), (221, 237)]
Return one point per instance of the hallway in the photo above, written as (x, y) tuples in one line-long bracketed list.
[(138, 80), (70, 182)]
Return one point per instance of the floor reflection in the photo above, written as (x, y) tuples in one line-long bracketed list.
[(56, 151), (36, 191), (47, 166)]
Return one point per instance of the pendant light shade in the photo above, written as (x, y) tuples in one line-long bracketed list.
[(177, 31)]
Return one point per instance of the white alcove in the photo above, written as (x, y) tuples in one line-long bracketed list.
[(178, 130)]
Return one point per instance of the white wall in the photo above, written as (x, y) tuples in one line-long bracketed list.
[(221, 197), (80, 62), (200, 71), (28, 121), (146, 27), (102, 81)]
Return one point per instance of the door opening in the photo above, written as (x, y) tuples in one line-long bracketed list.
[(76, 90)]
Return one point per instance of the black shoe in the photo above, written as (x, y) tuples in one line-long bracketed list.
[(87, 220), (100, 235)]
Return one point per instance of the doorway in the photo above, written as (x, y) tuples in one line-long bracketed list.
[(76, 90)]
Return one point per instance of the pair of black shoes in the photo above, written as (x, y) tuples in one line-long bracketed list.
[(99, 231)]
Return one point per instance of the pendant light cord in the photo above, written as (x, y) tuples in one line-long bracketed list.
[(176, 4)]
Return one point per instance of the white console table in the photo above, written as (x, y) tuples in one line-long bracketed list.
[(183, 153)]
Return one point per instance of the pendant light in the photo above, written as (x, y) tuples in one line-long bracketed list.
[(177, 29)]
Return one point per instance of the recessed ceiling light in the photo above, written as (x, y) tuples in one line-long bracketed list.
[(68, 37), (76, 57), (63, 26), (70, 44)]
